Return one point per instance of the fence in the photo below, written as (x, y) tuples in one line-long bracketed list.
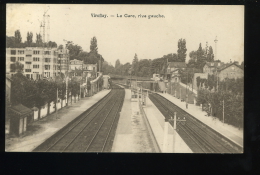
[(60, 104)]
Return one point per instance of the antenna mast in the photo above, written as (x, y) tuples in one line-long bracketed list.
[(48, 28), (44, 25)]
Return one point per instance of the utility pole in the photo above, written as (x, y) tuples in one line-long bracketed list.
[(174, 120), (67, 96), (57, 104), (223, 113), (216, 47)]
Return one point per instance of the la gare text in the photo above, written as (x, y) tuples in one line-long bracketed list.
[(94, 15)]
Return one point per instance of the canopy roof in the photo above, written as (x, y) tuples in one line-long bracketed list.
[(21, 110)]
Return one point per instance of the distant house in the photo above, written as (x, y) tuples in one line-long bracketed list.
[(172, 66), (77, 67), (175, 76), (211, 67), (76, 64), (230, 71)]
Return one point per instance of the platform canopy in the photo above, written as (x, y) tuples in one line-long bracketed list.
[(21, 110)]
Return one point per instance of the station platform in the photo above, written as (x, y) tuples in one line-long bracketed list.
[(229, 131), (156, 121), (132, 134), (44, 128)]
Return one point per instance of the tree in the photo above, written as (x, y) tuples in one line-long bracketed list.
[(51, 93), (39, 42), (107, 68), (144, 67), (93, 45), (74, 50), (242, 65), (117, 65), (135, 64), (83, 56), (181, 50), (17, 88), (41, 96), (210, 55), (51, 44), (60, 47), (29, 38), (18, 37), (10, 42)]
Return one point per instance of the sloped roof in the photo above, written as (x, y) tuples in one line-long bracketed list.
[(228, 65), (177, 64), (21, 110), (215, 64)]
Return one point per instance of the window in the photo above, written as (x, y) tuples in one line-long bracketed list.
[(28, 55), (36, 52), (13, 52), (47, 67), (233, 68), (47, 52), (27, 70), (36, 59), (36, 66), (28, 62), (13, 59), (20, 52), (20, 58), (47, 60)]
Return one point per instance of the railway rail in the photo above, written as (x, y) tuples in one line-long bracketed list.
[(198, 136), (92, 131)]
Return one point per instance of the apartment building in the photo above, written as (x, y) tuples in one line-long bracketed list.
[(63, 61), (38, 62)]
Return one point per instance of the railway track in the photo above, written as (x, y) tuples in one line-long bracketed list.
[(92, 131), (198, 136)]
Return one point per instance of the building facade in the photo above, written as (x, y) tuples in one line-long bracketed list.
[(230, 71), (38, 62), (172, 66), (63, 61), (211, 67)]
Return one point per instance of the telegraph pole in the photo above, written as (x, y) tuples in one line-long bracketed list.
[(57, 103), (223, 112), (216, 40)]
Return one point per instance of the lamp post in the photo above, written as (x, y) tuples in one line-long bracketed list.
[(175, 120)]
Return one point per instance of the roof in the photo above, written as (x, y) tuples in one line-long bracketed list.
[(21, 110), (228, 65), (215, 64), (177, 64)]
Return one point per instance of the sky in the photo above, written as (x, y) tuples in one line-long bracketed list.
[(122, 37)]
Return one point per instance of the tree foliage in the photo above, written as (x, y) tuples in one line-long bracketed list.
[(135, 65), (17, 37), (29, 38), (233, 105), (93, 45), (181, 50)]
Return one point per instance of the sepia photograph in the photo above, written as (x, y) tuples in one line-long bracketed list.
[(84, 78)]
